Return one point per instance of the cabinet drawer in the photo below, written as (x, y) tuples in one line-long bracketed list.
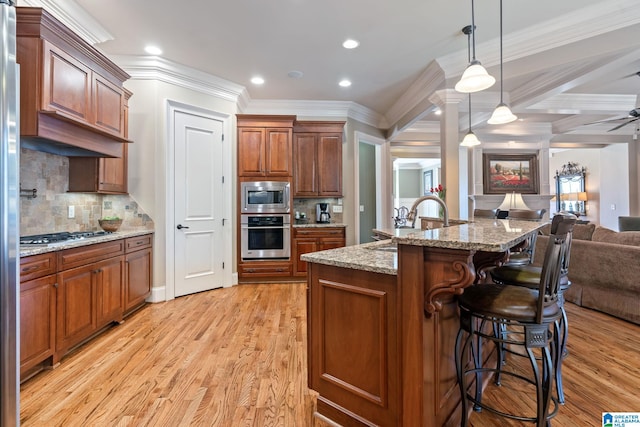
[(70, 258), (265, 270), (319, 232), (138, 242), (32, 267)]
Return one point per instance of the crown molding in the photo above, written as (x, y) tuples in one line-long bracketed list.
[(329, 109), (431, 79), (585, 23), (75, 17), (576, 103), (157, 68)]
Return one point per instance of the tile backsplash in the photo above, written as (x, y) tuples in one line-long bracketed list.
[(308, 206), (48, 211)]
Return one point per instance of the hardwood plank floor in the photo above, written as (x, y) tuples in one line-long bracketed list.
[(237, 357)]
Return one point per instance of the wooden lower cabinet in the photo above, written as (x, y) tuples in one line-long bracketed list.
[(89, 297), (257, 270), (138, 272), (312, 239), (66, 297), (37, 321)]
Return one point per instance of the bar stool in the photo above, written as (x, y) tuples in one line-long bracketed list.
[(523, 254), (529, 319), (529, 277), (486, 213)]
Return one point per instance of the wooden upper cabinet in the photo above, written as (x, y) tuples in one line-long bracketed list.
[(66, 84), (106, 175), (317, 154), (305, 147), (108, 106), (264, 145), (68, 89)]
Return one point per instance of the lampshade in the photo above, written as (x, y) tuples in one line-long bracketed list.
[(513, 201), (475, 78), (564, 196), (582, 196), (470, 140), (501, 115)]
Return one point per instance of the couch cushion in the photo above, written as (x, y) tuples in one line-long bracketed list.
[(580, 231), (606, 235)]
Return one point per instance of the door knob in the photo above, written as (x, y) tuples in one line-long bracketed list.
[(180, 227)]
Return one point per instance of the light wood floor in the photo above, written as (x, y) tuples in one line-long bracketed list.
[(237, 357)]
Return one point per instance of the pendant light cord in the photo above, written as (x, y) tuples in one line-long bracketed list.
[(501, 78), (469, 58), (473, 30)]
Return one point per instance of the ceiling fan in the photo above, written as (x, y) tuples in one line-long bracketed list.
[(631, 117)]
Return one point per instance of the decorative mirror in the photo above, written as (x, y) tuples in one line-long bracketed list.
[(570, 189)]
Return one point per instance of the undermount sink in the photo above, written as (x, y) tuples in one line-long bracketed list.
[(385, 248)]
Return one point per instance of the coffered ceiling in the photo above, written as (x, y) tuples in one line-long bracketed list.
[(566, 63)]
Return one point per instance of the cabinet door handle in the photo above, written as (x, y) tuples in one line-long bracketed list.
[(55, 285)]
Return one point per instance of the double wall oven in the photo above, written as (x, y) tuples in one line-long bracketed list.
[(265, 221)]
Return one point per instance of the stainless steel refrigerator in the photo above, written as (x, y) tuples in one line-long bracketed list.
[(9, 219)]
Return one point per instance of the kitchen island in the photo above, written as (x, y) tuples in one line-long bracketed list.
[(382, 322)]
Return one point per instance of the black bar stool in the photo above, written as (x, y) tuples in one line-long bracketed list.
[(529, 276), (527, 318)]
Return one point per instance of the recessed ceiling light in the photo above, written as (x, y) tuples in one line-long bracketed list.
[(257, 80), (437, 112), (350, 44), (295, 74), (345, 83), (153, 50)]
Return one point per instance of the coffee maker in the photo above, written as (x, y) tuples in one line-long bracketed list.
[(322, 213)]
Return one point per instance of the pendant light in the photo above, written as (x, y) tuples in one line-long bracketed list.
[(502, 114), (470, 139), (475, 78)]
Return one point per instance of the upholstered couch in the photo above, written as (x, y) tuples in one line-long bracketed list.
[(604, 269)]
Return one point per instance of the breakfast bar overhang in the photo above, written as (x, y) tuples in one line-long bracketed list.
[(382, 322)]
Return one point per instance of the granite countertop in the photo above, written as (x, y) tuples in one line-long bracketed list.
[(317, 225), (377, 257), (36, 250), (381, 257)]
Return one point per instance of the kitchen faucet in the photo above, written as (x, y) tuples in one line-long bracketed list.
[(413, 213)]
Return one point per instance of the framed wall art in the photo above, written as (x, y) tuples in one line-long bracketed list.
[(506, 173)]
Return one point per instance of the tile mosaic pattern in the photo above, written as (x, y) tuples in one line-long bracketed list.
[(47, 213)]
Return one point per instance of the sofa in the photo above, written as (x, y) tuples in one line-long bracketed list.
[(604, 269)]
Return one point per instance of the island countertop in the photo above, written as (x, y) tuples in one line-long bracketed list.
[(383, 318), (380, 257)]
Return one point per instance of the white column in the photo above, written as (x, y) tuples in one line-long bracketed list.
[(453, 159)]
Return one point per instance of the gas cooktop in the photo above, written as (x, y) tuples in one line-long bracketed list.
[(60, 238)]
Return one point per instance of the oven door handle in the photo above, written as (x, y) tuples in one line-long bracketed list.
[(278, 227)]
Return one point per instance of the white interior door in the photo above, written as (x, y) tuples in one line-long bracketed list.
[(199, 206)]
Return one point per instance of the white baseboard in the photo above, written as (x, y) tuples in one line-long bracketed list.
[(158, 294)]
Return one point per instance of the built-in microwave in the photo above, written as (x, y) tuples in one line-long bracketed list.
[(264, 197)]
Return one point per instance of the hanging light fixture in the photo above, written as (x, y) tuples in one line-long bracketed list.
[(470, 139), (502, 114), (475, 78)]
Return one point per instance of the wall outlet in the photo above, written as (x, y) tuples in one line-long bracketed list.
[(336, 209), (71, 212), (361, 208)]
